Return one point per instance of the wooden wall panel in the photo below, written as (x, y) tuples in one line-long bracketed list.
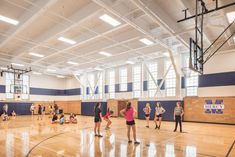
[(194, 110), (62, 105), (74, 107), (113, 105)]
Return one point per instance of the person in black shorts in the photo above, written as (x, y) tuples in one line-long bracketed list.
[(147, 111), (159, 110), (97, 119), (39, 112)]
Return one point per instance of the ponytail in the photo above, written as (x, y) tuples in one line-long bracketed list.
[(97, 105), (128, 106)]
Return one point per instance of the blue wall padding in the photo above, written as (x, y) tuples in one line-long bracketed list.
[(183, 82), (75, 91), (218, 79), (87, 108), (55, 92), (18, 107), (163, 85), (97, 90), (117, 88), (106, 89), (167, 105), (87, 90), (145, 85), (129, 87), (2, 89)]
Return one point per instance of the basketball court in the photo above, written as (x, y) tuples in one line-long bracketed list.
[(68, 67)]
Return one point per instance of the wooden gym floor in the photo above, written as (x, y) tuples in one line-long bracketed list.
[(26, 136)]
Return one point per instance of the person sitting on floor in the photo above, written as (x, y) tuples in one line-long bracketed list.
[(5, 117), (75, 120), (71, 117), (13, 114), (67, 120), (62, 119), (54, 118)]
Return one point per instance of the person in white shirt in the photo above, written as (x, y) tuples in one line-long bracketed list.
[(32, 108), (159, 110), (147, 111), (5, 109)]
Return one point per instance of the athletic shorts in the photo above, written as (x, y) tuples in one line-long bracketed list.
[(159, 116), (130, 122), (147, 115), (96, 119)]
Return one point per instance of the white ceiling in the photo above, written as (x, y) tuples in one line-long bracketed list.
[(43, 21)]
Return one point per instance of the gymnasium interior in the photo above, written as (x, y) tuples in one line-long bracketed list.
[(76, 53)]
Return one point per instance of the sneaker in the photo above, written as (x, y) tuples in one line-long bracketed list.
[(96, 135), (156, 127), (159, 127), (129, 141), (137, 142), (175, 130), (181, 131), (147, 126), (99, 135)]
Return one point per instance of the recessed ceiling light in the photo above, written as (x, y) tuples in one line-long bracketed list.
[(60, 76), (231, 16), (98, 69), (146, 41), (108, 19), (72, 63), (51, 70), (37, 73), (105, 53), (166, 54), (130, 62), (17, 64), (36, 54), (3, 68), (66, 40), (8, 20)]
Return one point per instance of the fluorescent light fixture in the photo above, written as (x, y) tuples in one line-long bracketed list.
[(37, 73), (8, 20), (130, 62), (60, 76), (51, 70), (108, 19), (17, 64), (36, 54), (72, 63), (166, 54), (231, 16), (105, 53), (3, 68), (98, 69), (146, 41), (234, 39), (66, 40)]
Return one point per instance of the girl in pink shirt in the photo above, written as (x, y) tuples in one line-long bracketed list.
[(129, 113)]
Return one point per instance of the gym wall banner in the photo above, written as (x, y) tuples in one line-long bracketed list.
[(214, 108)]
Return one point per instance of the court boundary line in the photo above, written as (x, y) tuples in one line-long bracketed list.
[(48, 139), (230, 149), (42, 142)]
